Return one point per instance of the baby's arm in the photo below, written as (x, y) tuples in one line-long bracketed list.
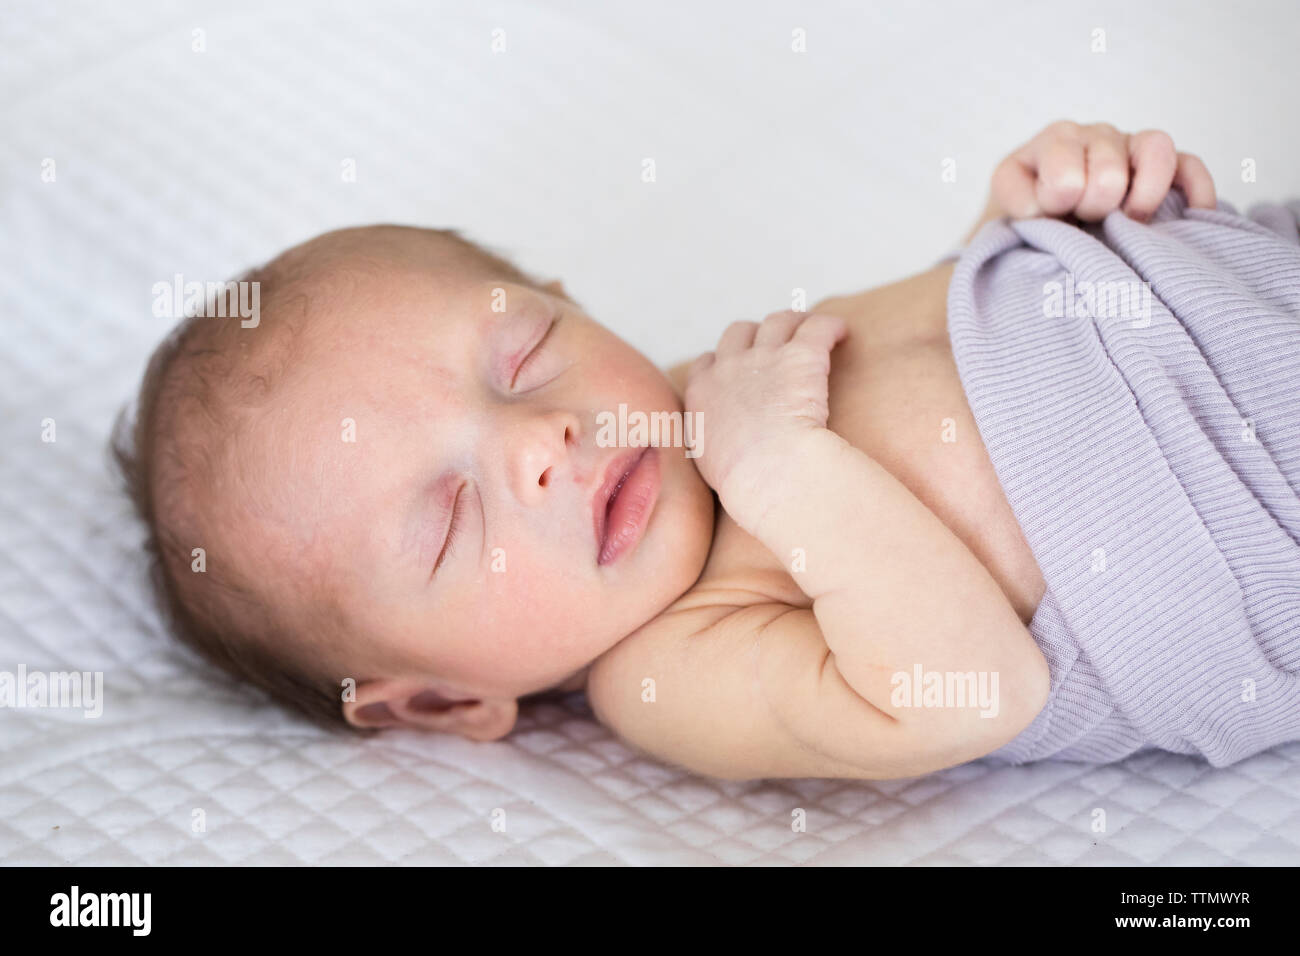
[(892, 587)]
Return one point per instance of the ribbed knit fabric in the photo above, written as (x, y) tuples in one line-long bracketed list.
[(1154, 467)]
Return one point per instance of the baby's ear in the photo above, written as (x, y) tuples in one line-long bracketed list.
[(417, 706)]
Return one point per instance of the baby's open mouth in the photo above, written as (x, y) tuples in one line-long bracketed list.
[(623, 503)]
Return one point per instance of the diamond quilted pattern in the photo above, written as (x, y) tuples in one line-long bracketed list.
[(172, 161)]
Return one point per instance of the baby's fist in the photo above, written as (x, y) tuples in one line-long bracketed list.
[(1090, 171), (761, 386)]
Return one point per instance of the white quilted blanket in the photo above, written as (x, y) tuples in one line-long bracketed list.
[(775, 170)]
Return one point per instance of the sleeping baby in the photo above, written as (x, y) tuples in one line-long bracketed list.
[(1042, 501)]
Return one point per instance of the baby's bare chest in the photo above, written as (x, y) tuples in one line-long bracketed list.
[(896, 394)]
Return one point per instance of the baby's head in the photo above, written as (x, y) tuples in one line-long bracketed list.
[(394, 477)]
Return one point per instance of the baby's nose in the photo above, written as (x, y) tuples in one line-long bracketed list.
[(544, 454)]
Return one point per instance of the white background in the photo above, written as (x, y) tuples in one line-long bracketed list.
[(775, 170)]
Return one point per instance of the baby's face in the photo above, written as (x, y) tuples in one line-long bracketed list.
[(435, 444)]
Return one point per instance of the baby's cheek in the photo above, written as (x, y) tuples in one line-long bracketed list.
[(535, 615), (622, 374), (526, 586)]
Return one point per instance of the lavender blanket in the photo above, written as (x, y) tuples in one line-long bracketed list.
[(1138, 389)]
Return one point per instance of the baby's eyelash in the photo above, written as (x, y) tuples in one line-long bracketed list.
[(536, 350), (453, 532)]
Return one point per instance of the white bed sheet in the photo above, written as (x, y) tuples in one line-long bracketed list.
[(775, 171)]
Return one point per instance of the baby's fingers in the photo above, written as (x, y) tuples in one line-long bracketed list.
[(1154, 163), (737, 337), (700, 364), (778, 327), (820, 331), (1015, 188), (1196, 182), (1061, 175), (1107, 173)]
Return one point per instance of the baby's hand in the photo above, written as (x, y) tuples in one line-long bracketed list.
[(763, 386), (1089, 171)]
